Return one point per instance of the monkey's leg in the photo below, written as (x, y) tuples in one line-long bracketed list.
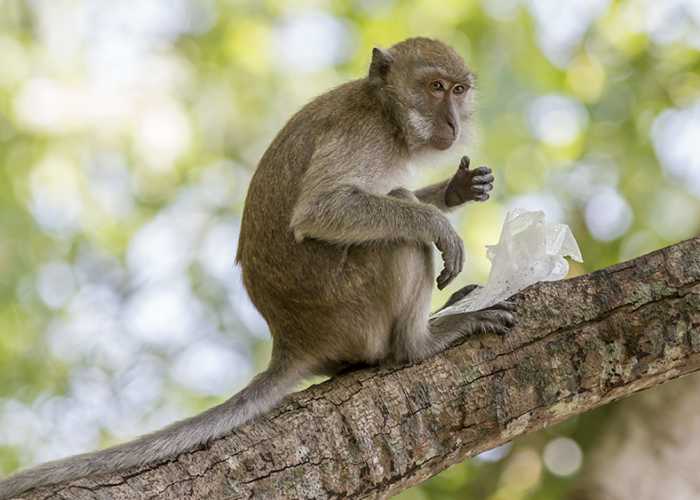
[(413, 336)]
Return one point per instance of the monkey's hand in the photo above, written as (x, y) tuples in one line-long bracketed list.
[(467, 185), (451, 246)]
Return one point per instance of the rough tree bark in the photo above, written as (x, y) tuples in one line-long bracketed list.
[(372, 433)]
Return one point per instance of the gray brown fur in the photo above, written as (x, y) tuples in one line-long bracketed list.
[(336, 253)]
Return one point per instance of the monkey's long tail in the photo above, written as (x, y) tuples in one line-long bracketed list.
[(260, 396)]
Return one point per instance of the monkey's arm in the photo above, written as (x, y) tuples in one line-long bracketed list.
[(466, 185), (434, 195), (346, 214)]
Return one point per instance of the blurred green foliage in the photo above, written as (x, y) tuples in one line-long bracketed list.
[(129, 131)]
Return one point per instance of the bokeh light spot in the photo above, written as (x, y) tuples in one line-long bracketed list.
[(55, 283), (608, 215), (309, 41), (557, 120), (675, 136), (522, 470), (562, 456)]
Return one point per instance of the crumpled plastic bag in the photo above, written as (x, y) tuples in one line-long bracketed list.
[(530, 250)]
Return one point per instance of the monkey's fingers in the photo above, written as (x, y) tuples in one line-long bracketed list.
[(464, 163), (482, 185), (504, 309), (451, 246), (504, 305), (482, 188), (482, 179), (480, 191), (454, 262), (446, 277), (496, 321), (482, 170), (450, 272)]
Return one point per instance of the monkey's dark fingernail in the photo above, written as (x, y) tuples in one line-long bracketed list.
[(465, 162), (500, 329)]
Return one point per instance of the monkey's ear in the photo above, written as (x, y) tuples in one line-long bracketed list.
[(380, 66)]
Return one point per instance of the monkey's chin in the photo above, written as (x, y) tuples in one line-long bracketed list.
[(441, 143)]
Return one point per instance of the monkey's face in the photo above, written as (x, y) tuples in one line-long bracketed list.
[(445, 98), (438, 106), (428, 87)]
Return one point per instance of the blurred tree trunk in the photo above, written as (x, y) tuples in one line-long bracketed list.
[(649, 449), (372, 433)]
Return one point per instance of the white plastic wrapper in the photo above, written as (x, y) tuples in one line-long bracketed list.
[(530, 250)]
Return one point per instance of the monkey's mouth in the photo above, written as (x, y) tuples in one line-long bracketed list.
[(441, 143)]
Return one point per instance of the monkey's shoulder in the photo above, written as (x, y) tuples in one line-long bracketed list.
[(349, 115), (342, 129), (347, 102)]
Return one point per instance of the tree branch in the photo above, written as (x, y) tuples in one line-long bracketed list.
[(372, 433)]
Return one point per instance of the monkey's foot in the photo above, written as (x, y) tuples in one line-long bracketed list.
[(495, 319)]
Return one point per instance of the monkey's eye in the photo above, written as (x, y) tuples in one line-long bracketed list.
[(459, 89), (436, 87)]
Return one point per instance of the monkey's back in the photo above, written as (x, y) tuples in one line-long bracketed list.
[(286, 278)]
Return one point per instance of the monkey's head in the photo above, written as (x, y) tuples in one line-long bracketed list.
[(428, 89)]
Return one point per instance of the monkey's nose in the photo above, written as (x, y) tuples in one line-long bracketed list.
[(451, 120)]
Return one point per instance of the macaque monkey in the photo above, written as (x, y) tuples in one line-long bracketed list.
[(336, 253)]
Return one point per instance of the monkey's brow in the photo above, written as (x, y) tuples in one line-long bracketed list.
[(432, 70)]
